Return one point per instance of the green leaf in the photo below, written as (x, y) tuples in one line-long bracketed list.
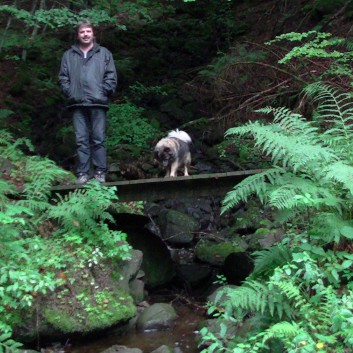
[(347, 232)]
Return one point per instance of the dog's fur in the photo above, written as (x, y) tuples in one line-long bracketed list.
[(173, 152)]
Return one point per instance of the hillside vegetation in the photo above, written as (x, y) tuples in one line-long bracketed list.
[(274, 77)]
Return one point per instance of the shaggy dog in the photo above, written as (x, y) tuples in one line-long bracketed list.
[(173, 152)]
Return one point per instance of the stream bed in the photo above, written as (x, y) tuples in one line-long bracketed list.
[(183, 335)]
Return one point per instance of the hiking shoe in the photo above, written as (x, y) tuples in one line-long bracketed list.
[(82, 179), (99, 176)]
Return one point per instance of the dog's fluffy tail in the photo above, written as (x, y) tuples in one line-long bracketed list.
[(181, 135)]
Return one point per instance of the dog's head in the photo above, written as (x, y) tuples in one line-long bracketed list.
[(165, 151)]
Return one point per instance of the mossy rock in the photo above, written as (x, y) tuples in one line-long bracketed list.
[(88, 314), (177, 227), (215, 253), (251, 217), (158, 316)]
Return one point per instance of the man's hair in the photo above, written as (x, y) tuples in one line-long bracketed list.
[(84, 23)]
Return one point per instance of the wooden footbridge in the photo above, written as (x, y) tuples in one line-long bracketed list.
[(156, 189)]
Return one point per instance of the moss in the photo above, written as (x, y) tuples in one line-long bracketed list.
[(156, 274), (215, 253), (100, 311)]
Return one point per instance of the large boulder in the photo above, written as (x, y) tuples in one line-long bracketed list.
[(177, 227), (159, 316), (91, 299), (214, 252), (237, 266), (131, 268)]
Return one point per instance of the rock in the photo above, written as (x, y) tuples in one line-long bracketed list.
[(214, 252), (182, 256), (94, 302), (194, 274), (237, 266), (88, 315), (221, 297), (163, 349), (159, 316), (215, 326), (177, 227), (121, 349), (131, 268), (137, 290), (152, 209)]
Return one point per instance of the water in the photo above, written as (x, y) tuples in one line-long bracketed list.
[(183, 335)]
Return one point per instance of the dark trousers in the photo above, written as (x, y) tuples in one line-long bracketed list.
[(90, 128)]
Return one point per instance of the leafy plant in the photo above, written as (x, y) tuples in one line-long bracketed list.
[(323, 46), (127, 125), (41, 235), (306, 288), (83, 213), (138, 90)]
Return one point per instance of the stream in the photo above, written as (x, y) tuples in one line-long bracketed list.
[(182, 336)]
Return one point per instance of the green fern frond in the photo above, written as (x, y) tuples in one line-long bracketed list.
[(291, 192), (41, 173), (82, 208), (265, 261), (283, 197), (283, 329), (255, 296), (341, 172), (254, 184), (328, 303), (292, 292), (5, 189), (333, 227), (293, 123), (293, 151), (336, 109), (10, 147)]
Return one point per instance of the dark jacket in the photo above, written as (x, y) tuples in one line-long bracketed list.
[(87, 81)]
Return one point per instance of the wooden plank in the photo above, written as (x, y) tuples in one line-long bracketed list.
[(201, 185)]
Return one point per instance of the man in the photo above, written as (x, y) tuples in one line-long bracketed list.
[(87, 78)]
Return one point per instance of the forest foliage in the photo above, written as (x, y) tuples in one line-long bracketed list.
[(299, 298), (43, 234)]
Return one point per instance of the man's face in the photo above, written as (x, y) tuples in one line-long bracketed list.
[(85, 36)]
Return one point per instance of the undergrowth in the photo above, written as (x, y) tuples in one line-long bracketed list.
[(44, 234), (299, 299)]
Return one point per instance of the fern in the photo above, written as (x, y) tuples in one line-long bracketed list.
[(316, 166), (83, 216), (316, 45), (302, 319), (293, 151), (332, 227), (265, 261), (342, 173), (293, 123), (41, 174), (82, 208), (283, 329), (254, 296), (335, 109), (292, 292), (10, 147), (300, 288), (255, 184)]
